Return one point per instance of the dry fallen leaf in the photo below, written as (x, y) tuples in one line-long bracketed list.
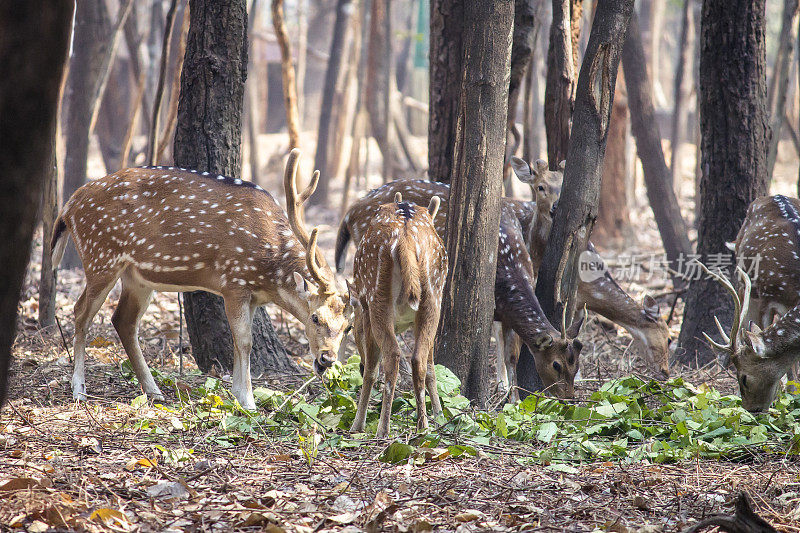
[(109, 517), (469, 515), (142, 461)]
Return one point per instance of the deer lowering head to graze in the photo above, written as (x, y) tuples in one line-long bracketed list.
[(556, 353), (399, 272), (603, 296), (768, 244), (761, 358), (169, 229)]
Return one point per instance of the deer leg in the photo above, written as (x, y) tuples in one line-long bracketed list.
[(513, 345), (372, 357), (500, 360), (430, 386), (133, 302), (425, 324), (87, 306), (240, 313)]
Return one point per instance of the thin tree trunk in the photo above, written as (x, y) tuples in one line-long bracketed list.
[(378, 68), (656, 21), (90, 37), (683, 86), (783, 63), (734, 123), (446, 57), (671, 226), (155, 122), (208, 138), (251, 90), (572, 225), (521, 53), (302, 56), (335, 78), (614, 216), (34, 38), (287, 75), (473, 215), (133, 121), (138, 56), (47, 280), (559, 92), (172, 116)]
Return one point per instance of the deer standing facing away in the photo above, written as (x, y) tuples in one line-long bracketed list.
[(399, 272), (168, 229), (603, 296), (556, 352)]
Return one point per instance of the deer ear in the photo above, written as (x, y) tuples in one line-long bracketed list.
[(650, 307), (575, 328), (301, 284), (542, 341), (433, 206), (522, 169), (562, 165), (756, 342)]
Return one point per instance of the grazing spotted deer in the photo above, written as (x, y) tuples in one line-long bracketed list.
[(761, 358), (768, 244), (169, 229), (399, 271), (556, 352), (603, 296)]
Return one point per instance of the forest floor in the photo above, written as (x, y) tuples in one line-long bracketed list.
[(118, 463)]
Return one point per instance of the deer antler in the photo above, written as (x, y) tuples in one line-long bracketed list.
[(740, 309), (315, 261)]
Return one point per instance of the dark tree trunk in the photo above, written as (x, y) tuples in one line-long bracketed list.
[(644, 125), (558, 282), (116, 103), (683, 85), (474, 206), (208, 138), (735, 133), (91, 33), (559, 92), (783, 62), (446, 57), (33, 44), (334, 80)]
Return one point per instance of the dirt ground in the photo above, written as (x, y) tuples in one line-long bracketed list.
[(89, 466)]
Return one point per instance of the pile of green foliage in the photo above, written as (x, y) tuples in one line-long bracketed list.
[(628, 419)]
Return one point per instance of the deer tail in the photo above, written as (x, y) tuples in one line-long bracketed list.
[(342, 239), (58, 242), (406, 258)]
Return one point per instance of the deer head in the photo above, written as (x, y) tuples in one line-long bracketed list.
[(556, 355), (761, 358), (328, 307), (545, 184)]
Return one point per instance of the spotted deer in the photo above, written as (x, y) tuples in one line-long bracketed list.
[(555, 352), (768, 243), (399, 272), (761, 357), (170, 229), (603, 296)]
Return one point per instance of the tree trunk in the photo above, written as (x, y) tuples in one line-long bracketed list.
[(90, 35), (155, 123), (613, 216), (671, 226), (656, 21), (446, 57), (557, 282), (208, 138), (34, 38), (251, 95), (378, 86), (473, 215), (521, 53), (783, 63), (559, 92), (735, 133), (47, 281), (334, 82), (287, 75), (683, 86)]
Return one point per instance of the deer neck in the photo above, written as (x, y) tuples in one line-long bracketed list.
[(538, 235)]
